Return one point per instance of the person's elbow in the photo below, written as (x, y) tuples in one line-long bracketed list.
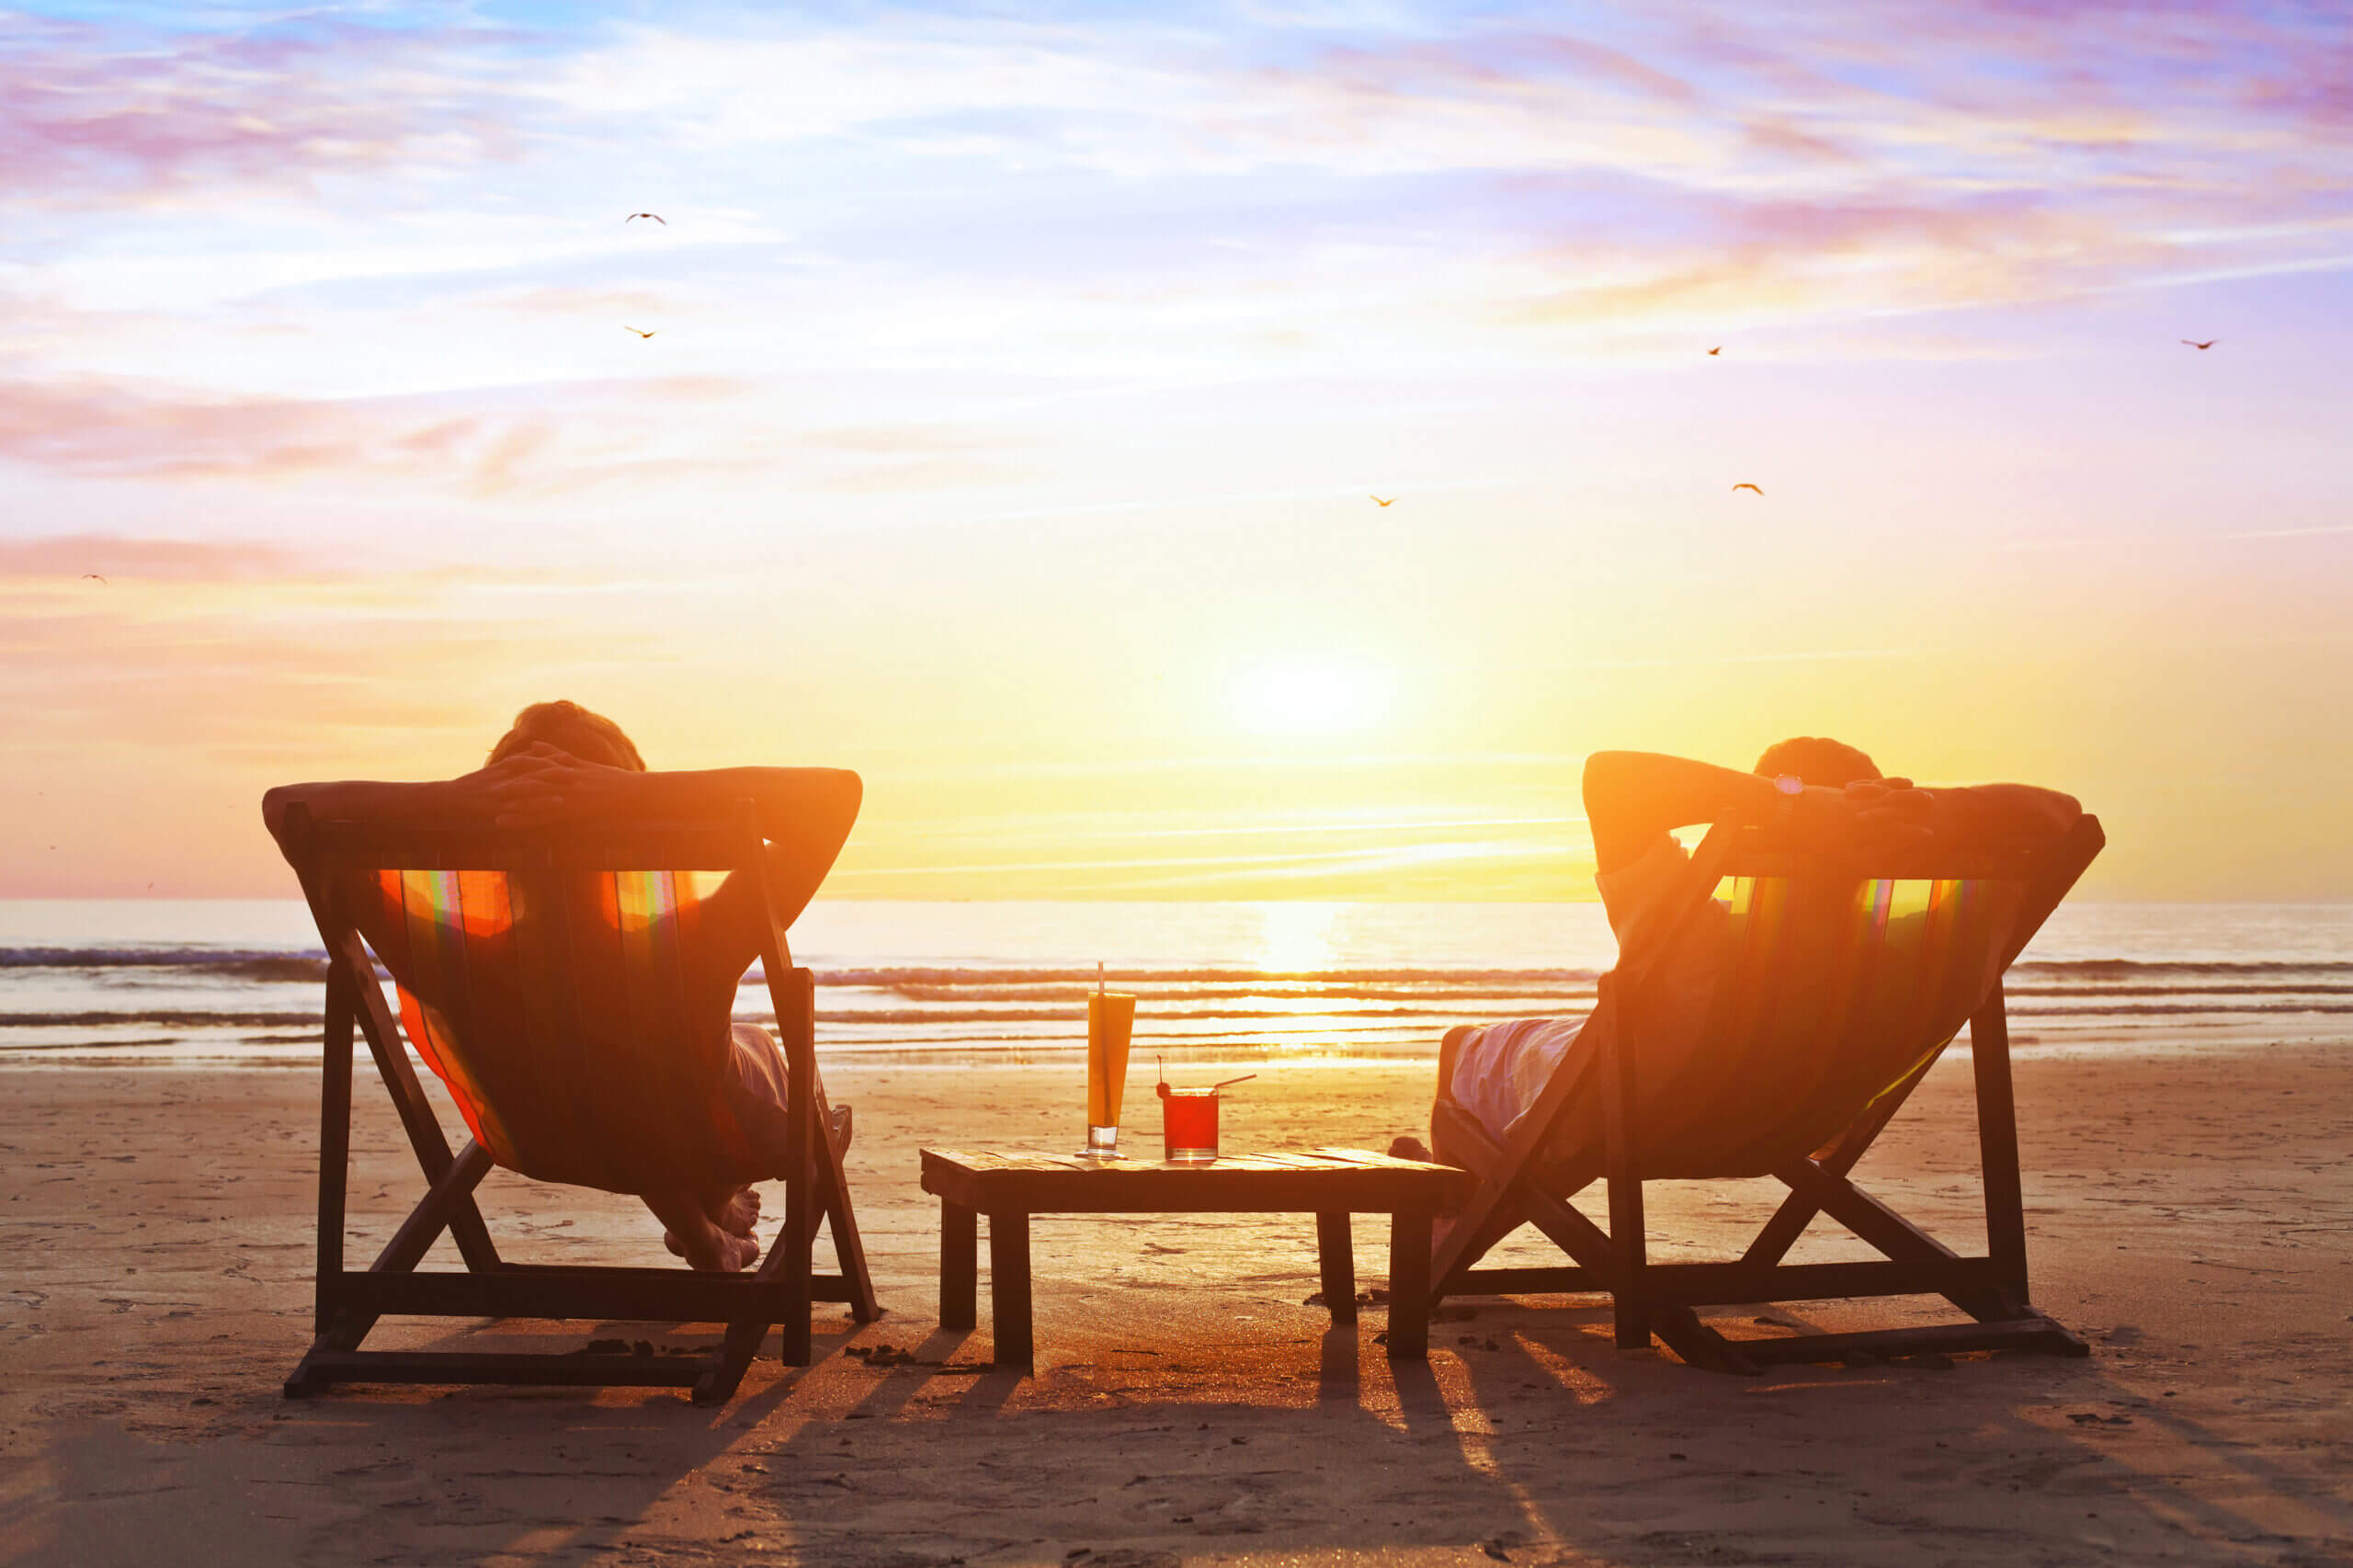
[(1606, 781), (274, 804), (831, 808), (847, 792)]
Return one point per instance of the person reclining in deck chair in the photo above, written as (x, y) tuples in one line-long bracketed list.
[(562, 763), (1822, 790)]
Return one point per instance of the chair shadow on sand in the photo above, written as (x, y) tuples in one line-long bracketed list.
[(1528, 1432)]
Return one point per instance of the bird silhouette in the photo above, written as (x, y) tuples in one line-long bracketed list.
[(1378, 502), (93, 577), (626, 327), (2201, 347), (1744, 484), (1717, 349), (655, 216)]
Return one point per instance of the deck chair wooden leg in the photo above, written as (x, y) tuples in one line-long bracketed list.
[(1997, 1142), (1628, 1249), (1629, 1311), (789, 1260), (334, 1143), (841, 1221), (737, 1348), (335, 1171)]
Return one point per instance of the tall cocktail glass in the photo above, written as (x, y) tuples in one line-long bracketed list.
[(1110, 1017)]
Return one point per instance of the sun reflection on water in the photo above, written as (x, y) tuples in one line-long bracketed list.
[(1297, 937)]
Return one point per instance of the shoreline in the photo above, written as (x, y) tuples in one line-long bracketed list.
[(2174, 1036)]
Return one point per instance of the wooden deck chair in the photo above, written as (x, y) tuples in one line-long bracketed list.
[(1845, 983), (543, 981)]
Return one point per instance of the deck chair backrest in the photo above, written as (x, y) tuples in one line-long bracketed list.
[(549, 981), (1843, 977)]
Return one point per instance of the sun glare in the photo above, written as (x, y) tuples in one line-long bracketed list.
[(1308, 697), (1296, 938)]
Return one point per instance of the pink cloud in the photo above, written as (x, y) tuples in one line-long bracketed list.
[(1503, 62), (168, 559), (101, 428), (93, 117)]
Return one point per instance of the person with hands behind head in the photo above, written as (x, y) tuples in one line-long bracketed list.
[(561, 763), (1822, 793)]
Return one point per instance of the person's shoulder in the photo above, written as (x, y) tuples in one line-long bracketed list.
[(1661, 857), (1643, 881)]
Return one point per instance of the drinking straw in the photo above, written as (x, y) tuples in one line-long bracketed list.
[(1244, 1079), (1099, 977)]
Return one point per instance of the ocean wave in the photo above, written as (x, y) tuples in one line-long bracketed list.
[(2219, 969), (177, 1017), (2298, 988), (2168, 1009), (261, 965)]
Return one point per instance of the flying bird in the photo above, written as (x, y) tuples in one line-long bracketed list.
[(2208, 344), (1378, 502), (1717, 349), (626, 327), (1744, 484), (93, 577), (655, 216)]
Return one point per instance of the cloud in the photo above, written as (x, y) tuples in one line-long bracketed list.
[(572, 437), (1835, 258), (925, 195), (94, 116), (167, 560), (490, 444)]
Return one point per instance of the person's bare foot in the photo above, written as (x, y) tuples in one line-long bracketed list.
[(715, 1251), (689, 1232), (1406, 1147), (737, 1212)]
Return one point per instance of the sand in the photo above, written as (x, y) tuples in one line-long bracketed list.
[(2191, 1213)]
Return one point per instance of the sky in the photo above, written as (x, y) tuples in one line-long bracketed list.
[(1021, 380)]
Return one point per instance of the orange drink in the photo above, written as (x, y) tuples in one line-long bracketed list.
[(1110, 1017)]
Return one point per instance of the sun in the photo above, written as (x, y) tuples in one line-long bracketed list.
[(1308, 697)]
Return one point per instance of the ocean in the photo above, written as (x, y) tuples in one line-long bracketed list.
[(237, 981)]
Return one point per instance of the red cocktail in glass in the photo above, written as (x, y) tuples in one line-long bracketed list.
[(1188, 1124)]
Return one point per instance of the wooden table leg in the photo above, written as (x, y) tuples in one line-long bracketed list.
[(1409, 1287), (1009, 1289), (1337, 1253), (960, 1264)]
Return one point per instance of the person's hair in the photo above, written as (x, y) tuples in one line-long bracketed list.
[(1816, 760), (570, 728)]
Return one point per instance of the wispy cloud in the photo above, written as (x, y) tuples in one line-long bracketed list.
[(98, 116)]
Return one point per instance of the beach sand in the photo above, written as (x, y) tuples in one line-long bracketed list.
[(2191, 1214)]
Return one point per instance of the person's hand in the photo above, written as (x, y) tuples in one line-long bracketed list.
[(1889, 811), (540, 785), (1869, 815)]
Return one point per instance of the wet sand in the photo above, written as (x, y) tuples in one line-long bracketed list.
[(2191, 1214)]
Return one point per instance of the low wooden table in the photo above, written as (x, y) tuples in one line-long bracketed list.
[(1331, 1184)]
